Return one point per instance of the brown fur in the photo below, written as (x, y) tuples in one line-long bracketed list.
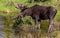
[(39, 13)]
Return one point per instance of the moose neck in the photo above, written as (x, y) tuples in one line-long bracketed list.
[(24, 9)]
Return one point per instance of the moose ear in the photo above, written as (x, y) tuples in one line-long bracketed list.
[(25, 6), (18, 6)]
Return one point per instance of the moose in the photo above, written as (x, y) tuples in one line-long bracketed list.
[(37, 13)]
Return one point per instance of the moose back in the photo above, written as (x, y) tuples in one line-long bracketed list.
[(38, 13)]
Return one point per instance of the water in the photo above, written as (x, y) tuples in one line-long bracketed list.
[(1, 28)]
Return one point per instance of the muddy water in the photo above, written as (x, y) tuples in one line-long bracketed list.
[(1, 28)]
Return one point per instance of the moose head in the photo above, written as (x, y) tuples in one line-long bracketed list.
[(20, 6)]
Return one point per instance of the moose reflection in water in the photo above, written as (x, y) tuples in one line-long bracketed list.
[(37, 13)]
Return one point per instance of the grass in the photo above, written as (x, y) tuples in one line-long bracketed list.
[(9, 11), (27, 26)]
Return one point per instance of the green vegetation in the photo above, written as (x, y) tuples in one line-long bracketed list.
[(8, 11)]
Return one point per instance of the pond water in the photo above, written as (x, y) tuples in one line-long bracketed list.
[(1, 28)]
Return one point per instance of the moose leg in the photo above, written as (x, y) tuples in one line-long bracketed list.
[(51, 23), (37, 23)]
